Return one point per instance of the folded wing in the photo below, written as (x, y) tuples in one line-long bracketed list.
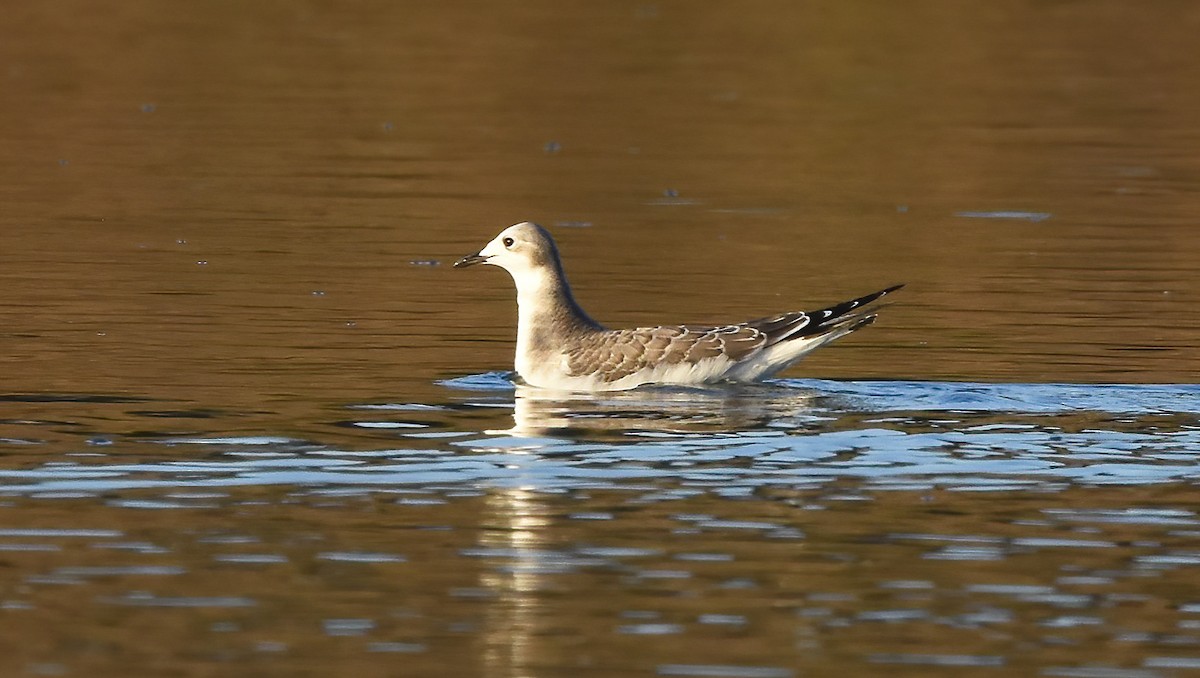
[(616, 354), (611, 355)]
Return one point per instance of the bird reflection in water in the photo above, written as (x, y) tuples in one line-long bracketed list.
[(614, 416)]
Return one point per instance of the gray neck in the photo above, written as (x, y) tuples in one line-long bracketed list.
[(548, 317), (546, 305)]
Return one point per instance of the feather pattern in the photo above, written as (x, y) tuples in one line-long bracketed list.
[(612, 355)]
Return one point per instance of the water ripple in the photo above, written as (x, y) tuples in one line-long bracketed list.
[(976, 437)]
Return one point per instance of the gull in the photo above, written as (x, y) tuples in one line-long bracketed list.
[(560, 347)]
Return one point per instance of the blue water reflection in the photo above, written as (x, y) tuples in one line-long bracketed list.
[(794, 433)]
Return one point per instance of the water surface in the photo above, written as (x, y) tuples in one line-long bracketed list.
[(251, 422)]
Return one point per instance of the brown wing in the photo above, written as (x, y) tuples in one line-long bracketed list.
[(613, 355), (782, 327)]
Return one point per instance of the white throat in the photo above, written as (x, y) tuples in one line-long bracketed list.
[(537, 301)]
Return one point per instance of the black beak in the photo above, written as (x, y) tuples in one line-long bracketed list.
[(470, 260)]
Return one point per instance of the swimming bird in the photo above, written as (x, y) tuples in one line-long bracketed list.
[(560, 347)]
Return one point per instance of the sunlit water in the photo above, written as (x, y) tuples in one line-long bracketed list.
[(811, 522), (252, 423)]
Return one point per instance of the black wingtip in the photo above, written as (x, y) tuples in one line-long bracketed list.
[(831, 315), (852, 314), (863, 301), (871, 298)]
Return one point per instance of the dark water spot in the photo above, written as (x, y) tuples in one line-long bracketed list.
[(70, 398)]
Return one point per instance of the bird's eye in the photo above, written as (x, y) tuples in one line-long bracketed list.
[(508, 242)]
